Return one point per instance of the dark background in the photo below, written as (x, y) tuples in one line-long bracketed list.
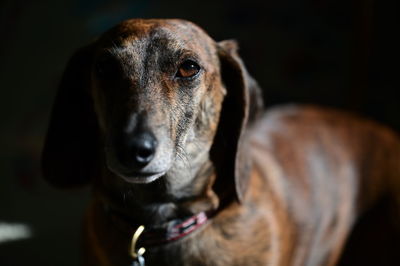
[(341, 53)]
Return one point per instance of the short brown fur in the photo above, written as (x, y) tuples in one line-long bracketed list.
[(285, 186)]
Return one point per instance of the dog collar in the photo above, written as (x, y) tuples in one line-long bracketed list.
[(148, 237), (168, 232), (175, 229)]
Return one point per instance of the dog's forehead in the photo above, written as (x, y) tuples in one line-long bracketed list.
[(172, 33)]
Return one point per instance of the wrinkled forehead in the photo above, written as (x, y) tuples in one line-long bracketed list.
[(138, 36)]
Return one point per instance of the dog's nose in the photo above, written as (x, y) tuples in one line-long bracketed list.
[(142, 148)]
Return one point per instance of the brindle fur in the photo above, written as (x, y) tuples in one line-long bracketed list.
[(286, 185)]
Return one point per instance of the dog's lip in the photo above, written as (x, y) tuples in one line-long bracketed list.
[(140, 178), (134, 177)]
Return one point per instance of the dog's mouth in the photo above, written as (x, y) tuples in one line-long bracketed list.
[(138, 177), (134, 176)]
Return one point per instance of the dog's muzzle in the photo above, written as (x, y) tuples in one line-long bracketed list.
[(139, 157)]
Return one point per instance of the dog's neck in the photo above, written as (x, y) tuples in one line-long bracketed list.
[(158, 203)]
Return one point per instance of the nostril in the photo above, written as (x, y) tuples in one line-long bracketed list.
[(144, 151)]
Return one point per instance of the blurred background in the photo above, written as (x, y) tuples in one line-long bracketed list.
[(340, 53)]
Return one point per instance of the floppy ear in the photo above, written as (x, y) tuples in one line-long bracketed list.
[(242, 105), (69, 151)]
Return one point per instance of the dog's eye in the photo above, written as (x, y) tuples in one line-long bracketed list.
[(188, 69), (106, 67)]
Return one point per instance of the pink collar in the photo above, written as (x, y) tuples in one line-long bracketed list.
[(169, 232), (174, 230)]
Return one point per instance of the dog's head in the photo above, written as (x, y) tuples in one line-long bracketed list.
[(150, 99)]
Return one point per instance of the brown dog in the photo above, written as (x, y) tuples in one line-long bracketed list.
[(167, 125)]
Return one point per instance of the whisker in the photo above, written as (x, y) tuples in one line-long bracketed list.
[(181, 153)]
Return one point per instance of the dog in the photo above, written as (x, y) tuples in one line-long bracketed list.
[(169, 128)]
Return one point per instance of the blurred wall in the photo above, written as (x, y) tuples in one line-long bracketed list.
[(337, 53)]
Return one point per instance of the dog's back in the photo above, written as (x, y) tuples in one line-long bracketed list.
[(323, 168)]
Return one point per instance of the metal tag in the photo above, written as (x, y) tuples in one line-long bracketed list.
[(139, 261)]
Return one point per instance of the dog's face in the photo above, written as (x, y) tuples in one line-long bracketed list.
[(152, 100), (157, 94)]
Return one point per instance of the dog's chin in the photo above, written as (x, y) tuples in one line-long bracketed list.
[(139, 178)]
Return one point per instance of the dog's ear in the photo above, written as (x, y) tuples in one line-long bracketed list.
[(69, 151), (241, 106)]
